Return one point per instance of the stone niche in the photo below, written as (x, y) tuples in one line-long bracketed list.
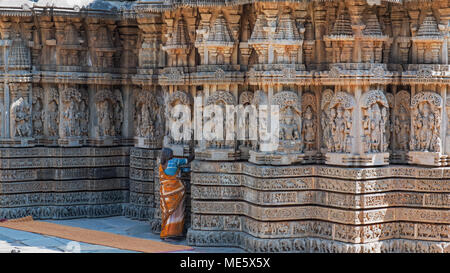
[(218, 146), (148, 119), (426, 143), (358, 131), (20, 110), (74, 117), (401, 117), (182, 146), (109, 117), (297, 133)]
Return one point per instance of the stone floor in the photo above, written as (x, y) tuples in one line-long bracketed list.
[(27, 242)]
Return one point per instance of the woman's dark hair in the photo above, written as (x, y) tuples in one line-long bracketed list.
[(166, 155)]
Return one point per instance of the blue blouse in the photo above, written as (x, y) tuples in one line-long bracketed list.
[(174, 164)]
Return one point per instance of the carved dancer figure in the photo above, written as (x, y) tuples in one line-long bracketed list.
[(309, 129)]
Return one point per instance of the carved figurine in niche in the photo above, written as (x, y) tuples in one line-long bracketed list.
[(389, 124), (309, 129), (326, 118), (182, 99), (288, 130), (402, 128), (70, 118), (105, 118), (38, 123), (221, 99), (245, 100), (347, 131), (21, 113), (376, 129), (53, 118), (338, 127), (260, 99), (290, 120), (147, 112), (309, 121), (52, 114), (118, 112), (330, 128), (104, 102), (341, 110), (83, 116), (386, 124), (374, 118), (424, 126)]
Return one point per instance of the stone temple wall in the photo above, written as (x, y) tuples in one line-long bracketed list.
[(88, 89), (315, 208)]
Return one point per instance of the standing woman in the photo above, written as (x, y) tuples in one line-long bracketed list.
[(172, 195)]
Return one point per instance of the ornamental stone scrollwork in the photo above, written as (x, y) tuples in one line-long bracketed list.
[(426, 143), (182, 146), (221, 145), (402, 126)]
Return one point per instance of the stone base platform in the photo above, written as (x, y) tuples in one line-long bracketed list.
[(428, 159), (375, 159), (318, 208), (62, 183)]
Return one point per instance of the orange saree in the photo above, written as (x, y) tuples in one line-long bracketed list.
[(172, 204)]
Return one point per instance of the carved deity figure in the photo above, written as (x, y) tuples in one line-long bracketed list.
[(70, 120), (144, 122), (347, 131), (38, 123), (83, 116), (331, 129), (309, 129), (288, 128), (118, 113), (53, 121), (424, 126), (105, 117), (21, 112), (402, 128), (376, 129), (339, 130)]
